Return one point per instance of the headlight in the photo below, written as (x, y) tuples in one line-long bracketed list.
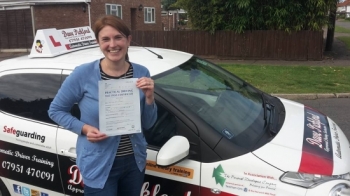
[(309, 180)]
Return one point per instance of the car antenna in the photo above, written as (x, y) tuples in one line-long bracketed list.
[(158, 55)]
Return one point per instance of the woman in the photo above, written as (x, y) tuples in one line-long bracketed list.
[(109, 165)]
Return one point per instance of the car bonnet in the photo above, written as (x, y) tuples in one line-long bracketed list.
[(308, 142)]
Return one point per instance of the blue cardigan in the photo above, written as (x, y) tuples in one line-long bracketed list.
[(95, 160)]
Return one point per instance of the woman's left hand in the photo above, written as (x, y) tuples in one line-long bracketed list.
[(147, 86)]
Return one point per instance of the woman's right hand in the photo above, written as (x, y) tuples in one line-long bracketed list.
[(93, 134)]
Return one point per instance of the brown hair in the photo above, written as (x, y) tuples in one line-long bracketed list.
[(115, 22)]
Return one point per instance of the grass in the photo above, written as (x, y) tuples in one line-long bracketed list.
[(339, 29), (294, 79), (346, 40), (297, 79)]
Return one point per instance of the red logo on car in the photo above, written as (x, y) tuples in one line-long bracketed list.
[(10, 130)]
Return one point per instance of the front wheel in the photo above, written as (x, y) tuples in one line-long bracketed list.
[(3, 189)]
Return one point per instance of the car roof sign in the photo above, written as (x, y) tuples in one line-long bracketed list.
[(53, 42)]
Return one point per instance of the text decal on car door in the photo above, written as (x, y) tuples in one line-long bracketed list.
[(30, 166)]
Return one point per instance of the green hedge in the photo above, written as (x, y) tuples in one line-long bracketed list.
[(243, 15)]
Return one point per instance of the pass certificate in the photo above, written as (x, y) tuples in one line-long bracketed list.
[(119, 107)]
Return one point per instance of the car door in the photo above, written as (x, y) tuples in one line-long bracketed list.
[(28, 155), (182, 178), (66, 146), (71, 178)]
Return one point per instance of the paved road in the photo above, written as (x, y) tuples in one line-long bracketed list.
[(343, 24), (338, 109)]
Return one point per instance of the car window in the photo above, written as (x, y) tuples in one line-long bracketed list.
[(169, 125), (228, 104), (163, 129), (28, 94)]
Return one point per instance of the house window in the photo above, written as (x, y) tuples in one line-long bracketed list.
[(114, 9), (150, 15)]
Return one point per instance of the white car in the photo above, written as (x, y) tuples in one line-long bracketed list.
[(215, 133)]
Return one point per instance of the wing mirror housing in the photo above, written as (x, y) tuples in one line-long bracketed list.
[(173, 151)]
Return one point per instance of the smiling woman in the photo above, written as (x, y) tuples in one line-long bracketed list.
[(112, 34), (110, 165)]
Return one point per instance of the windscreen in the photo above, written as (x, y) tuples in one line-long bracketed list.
[(226, 103)]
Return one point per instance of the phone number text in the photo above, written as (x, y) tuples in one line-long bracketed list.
[(29, 171)]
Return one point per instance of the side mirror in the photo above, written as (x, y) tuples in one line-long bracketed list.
[(174, 150)]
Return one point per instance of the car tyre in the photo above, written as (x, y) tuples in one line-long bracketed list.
[(3, 189)]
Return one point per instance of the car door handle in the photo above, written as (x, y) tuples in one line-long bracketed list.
[(70, 154)]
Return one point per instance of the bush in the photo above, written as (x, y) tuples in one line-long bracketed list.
[(341, 16), (181, 22), (245, 15)]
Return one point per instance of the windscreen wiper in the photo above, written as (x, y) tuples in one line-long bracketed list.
[(271, 107), (264, 105), (269, 120)]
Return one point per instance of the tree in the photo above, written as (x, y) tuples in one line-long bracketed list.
[(331, 27), (169, 4), (243, 15)]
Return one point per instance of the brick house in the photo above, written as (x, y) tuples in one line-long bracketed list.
[(344, 8), (171, 18), (19, 19)]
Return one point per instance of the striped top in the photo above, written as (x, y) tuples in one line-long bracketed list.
[(125, 146)]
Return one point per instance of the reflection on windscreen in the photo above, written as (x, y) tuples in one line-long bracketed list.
[(225, 102)]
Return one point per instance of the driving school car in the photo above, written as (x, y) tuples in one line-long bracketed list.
[(215, 133)]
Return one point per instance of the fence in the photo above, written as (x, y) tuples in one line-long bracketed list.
[(16, 29), (264, 45)]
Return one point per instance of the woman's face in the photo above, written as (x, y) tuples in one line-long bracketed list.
[(113, 44)]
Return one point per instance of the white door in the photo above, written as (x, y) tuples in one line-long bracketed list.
[(66, 147), (71, 177), (182, 178), (28, 155)]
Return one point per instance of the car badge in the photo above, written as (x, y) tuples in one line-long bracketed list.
[(215, 191)]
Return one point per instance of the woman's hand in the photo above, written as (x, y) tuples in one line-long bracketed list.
[(147, 87), (93, 134)]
